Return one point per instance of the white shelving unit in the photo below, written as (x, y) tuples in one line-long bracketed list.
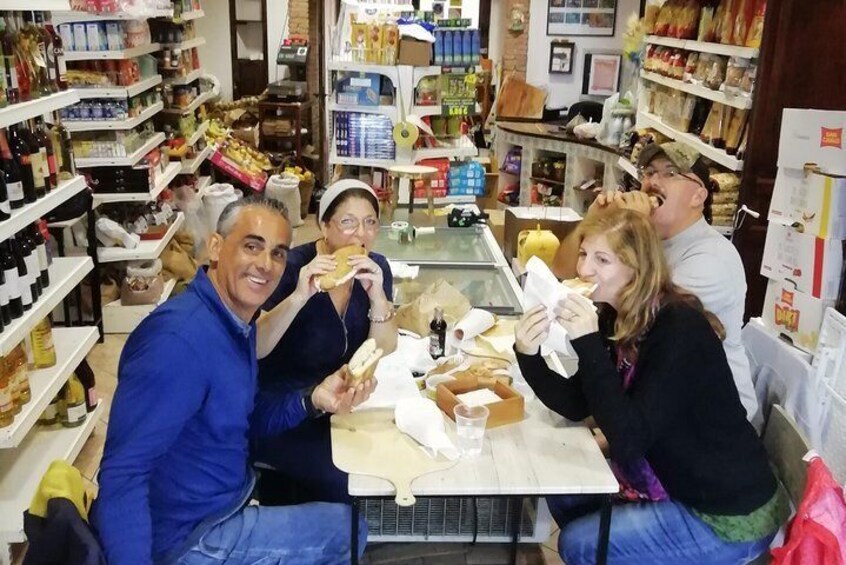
[(627, 166), (201, 130), (120, 92), (127, 161), (360, 161), (464, 148), (68, 16), (130, 53), (23, 111), (119, 125), (161, 183), (190, 167), (31, 212), (21, 469), (188, 44), (192, 15), (187, 79), (119, 319), (149, 249), (645, 119), (742, 102), (65, 274), (390, 71), (703, 47), (72, 345), (203, 96), (390, 111)]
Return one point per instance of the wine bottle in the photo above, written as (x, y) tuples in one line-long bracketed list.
[(25, 284), (50, 415), (41, 254), (16, 361), (7, 404), (86, 377), (43, 350), (45, 47), (12, 278), (32, 35), (68, 166), (45, 147), (22, 154), (5, 205), (26, 86), (10, 67), (72, 411), (437, 334), (11, 172), (37, 159), (33, 268), (58, 55)]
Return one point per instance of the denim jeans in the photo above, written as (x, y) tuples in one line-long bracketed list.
[(308, 534), (658, 533)]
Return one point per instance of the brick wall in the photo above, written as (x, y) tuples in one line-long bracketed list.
[(516, 47)]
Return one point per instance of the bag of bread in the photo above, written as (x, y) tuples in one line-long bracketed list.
[(417, 314), (756, 27)]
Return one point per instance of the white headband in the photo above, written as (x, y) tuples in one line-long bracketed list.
[(335, 190)]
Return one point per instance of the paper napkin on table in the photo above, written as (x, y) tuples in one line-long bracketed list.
[(421, 419)]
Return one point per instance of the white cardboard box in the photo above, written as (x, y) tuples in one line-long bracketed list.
[(811, 263), (813, 136), (814, 203), (794, 314)]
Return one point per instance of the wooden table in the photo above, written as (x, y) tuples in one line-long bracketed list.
[(542, 455)]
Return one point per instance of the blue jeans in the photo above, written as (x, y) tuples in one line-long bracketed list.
[(658, 533), (316, 533)]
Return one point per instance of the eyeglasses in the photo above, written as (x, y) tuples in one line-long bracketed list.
[(349, 224), (670, 173)]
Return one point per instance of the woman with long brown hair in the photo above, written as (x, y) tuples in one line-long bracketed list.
[(653, 374)]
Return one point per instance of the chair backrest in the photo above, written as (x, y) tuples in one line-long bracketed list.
[(786, 445)]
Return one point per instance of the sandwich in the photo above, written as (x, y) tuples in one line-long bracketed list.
[(579, 286), (362, 365), (343, 271)]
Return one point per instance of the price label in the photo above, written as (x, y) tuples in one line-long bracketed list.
[(459, 107)]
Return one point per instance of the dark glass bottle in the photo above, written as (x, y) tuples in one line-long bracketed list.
[(437, 334), (37, 160), (24, 281), (41, 255), (45, 148), (26, 87), (45, 47), (5, 298), (5, 206), (12, 277), (11, 172), (39, 55), (10, 62), (33, 269), (86, 377), (21, 152), (58, 55), (68, 166)]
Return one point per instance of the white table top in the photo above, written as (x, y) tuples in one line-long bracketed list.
[(542, 455)]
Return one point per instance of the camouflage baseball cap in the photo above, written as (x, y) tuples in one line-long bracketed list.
[(683, 156)]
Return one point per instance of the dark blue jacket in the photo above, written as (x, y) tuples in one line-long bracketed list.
[(184, 411), (319, 341)]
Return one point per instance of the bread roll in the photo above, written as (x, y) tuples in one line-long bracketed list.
[(584, 288), (343, 271), (362, 365)]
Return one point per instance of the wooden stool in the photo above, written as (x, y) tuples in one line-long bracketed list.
[(412, 173)]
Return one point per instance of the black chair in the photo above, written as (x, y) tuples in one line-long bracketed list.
[(590, 111)]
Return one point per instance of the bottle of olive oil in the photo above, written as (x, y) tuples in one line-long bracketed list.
[(16, 365), (72, 410), (7, 405), (43, 351)]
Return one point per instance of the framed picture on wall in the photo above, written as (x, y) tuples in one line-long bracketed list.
[(602, 74), (581, 17), (561, 57)]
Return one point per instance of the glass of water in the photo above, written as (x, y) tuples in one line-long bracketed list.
[(470, 424)]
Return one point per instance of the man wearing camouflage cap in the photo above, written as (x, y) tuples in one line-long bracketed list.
[(676, 194)]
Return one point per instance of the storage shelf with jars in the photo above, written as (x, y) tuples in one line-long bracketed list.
[(71, 345)]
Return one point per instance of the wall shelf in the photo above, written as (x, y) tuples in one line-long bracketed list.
[(120, 92), (119, 125), (130, 53), (128, 161)]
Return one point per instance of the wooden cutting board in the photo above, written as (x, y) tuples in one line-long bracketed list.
[(369, 443), (518, 99)]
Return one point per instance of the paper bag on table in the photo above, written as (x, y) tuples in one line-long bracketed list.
[(417, 315)]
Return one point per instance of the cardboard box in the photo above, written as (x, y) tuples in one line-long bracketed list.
[(813, 136), (514, 225), (812, 202), (811, 263), (496, 221), (359, 89), (507, 411), (414, 52), (793, 314)]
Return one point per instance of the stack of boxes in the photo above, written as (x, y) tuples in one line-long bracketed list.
[(439, 182), (467, 178), (806, 237)]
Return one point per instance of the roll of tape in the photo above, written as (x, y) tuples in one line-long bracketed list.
[(405, 135), (397, 229)]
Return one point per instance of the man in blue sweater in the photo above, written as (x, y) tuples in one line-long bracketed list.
[(175, 478)]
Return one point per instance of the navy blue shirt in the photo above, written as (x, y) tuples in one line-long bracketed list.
[(319, 340), (184, 411)]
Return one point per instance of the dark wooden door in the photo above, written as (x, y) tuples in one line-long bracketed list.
[(802, 65), (249, 75)]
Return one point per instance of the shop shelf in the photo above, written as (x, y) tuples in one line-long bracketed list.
[(120, 92), (188, 44), (190, 166), (120, 125), (21, 469), (17, 113), (465, 148), (645, 119), (742, 102), (127, 161), (390, 71), (75, 16), (65, 223), (187, 79), (65, 274), (549, 182), (361, 161), (30, 213), (390, 111), (164, 179), (119, 319), (627, 166), (423, 72), (130, 53), (149, 249), (192, 15), (201, 130), (202, 98), (704, 47), (72, 345)]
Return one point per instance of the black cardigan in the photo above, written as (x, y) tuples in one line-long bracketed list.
[(682, 412)]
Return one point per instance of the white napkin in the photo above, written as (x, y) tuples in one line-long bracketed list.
[(403, 270), (543, 288), (393, 373), (421, 419)]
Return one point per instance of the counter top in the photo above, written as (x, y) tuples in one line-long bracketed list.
[(554, 132)]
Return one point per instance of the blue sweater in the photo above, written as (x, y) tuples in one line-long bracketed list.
[(185, 409), (319, 341)]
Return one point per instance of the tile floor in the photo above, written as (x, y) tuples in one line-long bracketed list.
[(104, 361)]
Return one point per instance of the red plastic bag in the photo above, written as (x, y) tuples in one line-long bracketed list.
[(817, 534)]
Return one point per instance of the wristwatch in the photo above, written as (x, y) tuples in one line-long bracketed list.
[(312, 411)]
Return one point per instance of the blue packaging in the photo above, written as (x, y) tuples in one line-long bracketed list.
[(359, 89), (439, 47), (447, 37), (466, 47), (476, 53), (457, 56)]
